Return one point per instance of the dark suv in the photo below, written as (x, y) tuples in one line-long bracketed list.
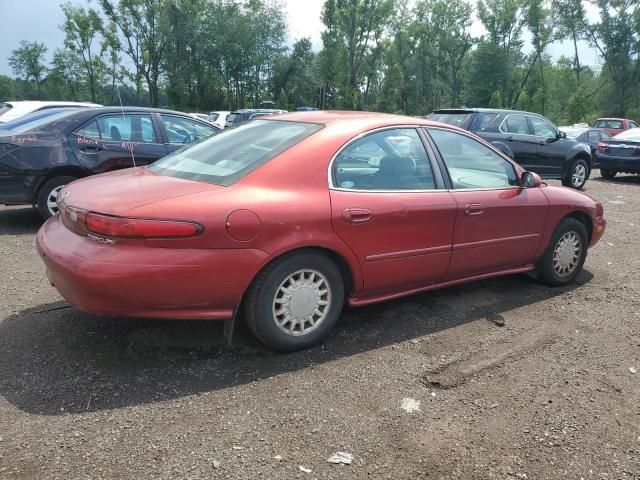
[(247, 114), (530, 139)]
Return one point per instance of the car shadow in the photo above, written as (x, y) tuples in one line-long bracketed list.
[(19, 221), (57, 360), (619, 179)]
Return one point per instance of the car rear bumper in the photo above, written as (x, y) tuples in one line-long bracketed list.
[(625, 164), (140, 281)]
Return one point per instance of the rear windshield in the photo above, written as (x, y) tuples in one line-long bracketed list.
[(456, 119), (227, 157), (632, 134), (39, 119), (614, 124), (4, 108)]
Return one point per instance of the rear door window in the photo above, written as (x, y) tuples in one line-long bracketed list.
[(389, 160), (483, 121)]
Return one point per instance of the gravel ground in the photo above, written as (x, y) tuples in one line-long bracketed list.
[(425, 387)]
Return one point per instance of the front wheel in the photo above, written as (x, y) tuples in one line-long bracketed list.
[(565, 255), (295, 301), (577, 175), (605, 173), (48, 195)]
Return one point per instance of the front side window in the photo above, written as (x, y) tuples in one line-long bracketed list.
[(126, 128), (230, 155), (516, 124), (542, 128), (183, 130), (389, 160), (471, 164)]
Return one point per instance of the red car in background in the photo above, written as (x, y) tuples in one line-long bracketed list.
[(282, 219), (613, 126)]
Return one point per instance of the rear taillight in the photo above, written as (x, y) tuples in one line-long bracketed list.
[(601, 146), (73, 218), (121, 227)]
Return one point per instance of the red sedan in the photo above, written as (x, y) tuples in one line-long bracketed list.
[(283, 219)]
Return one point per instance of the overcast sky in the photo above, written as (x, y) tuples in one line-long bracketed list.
[(40, 20)]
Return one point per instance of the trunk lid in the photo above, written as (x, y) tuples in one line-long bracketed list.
[(114, 193)]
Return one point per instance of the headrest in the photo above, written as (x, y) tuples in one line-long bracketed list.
[(397, 166)]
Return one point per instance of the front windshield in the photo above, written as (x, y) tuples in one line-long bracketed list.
[(36, 120), (632, 134), (231, 154)]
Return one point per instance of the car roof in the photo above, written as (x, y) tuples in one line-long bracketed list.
[(482, 110), (325, 117), (23, 107), (611, 118)]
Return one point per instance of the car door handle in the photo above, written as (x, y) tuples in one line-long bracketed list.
[(509, 139), (473, 209), (90, 150), (357, 215)]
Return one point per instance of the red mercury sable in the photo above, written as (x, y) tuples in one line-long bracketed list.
[(282, 219)]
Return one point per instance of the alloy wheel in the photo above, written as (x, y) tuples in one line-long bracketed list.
[(579, 175), (52, 198)]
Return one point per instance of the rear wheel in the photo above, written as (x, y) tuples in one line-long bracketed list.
[(48, 195), (577, 175), (605, 173), (565, 255), (294, 302)]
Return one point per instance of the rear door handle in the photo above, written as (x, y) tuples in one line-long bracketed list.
[(474, 209), (509, 139), (357, 215), (90, 150)]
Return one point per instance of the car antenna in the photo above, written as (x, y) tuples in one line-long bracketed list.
[(133, 158)]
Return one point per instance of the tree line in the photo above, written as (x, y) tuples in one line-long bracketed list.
[(396, 56)]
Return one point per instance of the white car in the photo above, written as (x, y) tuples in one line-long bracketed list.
[(199, 116), (12, 110), (219, 119)]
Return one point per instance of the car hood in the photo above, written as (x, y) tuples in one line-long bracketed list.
[(114, 193)]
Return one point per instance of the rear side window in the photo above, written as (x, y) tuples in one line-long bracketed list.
[(516, 124), (389, 160), (471, 164), (631, 124), (457, 119), (593, 136), (213, 117), (183, 130), (230, 155), (614, 124)]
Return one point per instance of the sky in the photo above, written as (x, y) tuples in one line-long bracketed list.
[(40, 20)]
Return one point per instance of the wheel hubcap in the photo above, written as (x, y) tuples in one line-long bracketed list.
[(579, 175), (301, 302), (52, 204), (566, 255)]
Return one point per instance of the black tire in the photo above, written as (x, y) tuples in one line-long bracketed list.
[(577, 175), (47, 190), (259, 303), (605, 173), (549, 273)]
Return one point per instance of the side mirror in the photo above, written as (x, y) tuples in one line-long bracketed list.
[(530, 180), (561, 135)]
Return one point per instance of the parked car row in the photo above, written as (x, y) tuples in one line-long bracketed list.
[(563, 153), (42, 152)]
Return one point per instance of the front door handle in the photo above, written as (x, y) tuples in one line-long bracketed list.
[(474, 209), (357, 215)]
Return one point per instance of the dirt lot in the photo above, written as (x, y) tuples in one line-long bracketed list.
[(550, 395)]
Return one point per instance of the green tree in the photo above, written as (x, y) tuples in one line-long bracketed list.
[(27, 62)]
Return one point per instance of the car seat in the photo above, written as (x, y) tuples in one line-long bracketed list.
[(114, 133), (395, 173)]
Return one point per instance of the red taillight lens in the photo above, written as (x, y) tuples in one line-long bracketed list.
[(73, 218), (140, 228), (601, 146)]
